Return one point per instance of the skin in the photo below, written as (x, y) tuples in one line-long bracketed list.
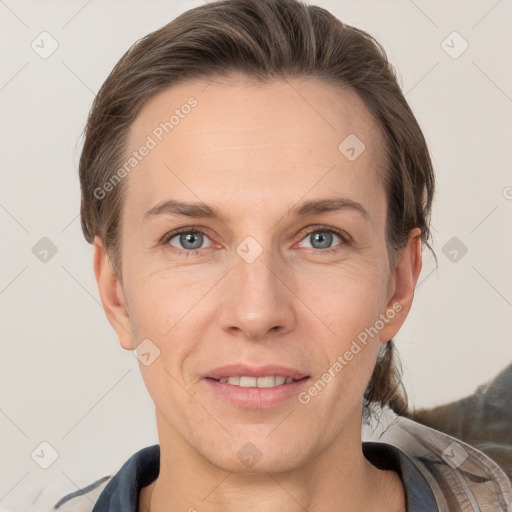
[(254, 151)]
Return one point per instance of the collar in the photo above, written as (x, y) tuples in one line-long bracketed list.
[(122, 492)]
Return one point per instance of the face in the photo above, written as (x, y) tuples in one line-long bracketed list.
[(253, 245)]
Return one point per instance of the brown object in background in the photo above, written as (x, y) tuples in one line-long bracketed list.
[(483, 419)]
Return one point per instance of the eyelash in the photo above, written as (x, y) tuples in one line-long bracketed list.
[(345, 240)]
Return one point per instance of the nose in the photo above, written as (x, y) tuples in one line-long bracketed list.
[(259, 302)]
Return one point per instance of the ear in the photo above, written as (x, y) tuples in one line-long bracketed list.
[(402, 285), (112, 297)]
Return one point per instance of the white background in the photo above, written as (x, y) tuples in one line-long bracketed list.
[(65, 379)]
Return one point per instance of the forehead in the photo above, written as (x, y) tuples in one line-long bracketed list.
[(331, 112), (255, 142)]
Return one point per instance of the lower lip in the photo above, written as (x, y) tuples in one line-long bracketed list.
[(256, 398)]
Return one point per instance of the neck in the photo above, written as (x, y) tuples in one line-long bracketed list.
[(339, 477)]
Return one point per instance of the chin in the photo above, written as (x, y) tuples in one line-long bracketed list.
[(259, 456)]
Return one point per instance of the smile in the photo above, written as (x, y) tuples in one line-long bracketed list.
[(257, 382)]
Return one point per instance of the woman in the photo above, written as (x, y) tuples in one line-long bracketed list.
[(258, 193)]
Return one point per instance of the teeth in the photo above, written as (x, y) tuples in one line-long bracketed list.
[(248, 382), (257, 382), (266, 382)]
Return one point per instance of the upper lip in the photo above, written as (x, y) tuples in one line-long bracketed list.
[(239, 370)]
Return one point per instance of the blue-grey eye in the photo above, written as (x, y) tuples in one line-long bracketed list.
[(321, 239), (189, 241)]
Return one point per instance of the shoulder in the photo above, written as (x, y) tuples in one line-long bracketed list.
[(84, 499), (62, 495), (459, 475), (120, 488), (482, 419)]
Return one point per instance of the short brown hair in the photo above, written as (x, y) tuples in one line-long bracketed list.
[(263, 40)]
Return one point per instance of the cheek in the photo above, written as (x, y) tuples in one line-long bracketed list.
[(347, 297), (161, 298), (349, 300), (173, 309), (350, 306)]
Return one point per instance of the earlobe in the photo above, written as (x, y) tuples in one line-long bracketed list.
[(403, 283), (112, 297)]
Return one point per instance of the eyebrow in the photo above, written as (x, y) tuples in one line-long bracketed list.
[(202, 210)]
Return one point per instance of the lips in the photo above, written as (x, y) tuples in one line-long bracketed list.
[(255, 387)]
